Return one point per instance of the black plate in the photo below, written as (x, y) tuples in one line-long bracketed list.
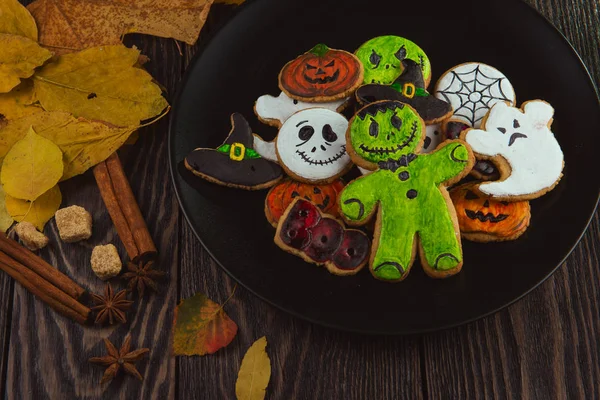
[(242, 61)]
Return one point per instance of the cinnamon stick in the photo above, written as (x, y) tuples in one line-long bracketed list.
[(130, 208), (39, 287), (114, 209), (40, 267)]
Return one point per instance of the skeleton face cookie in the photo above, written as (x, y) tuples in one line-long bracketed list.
[(523, 139)]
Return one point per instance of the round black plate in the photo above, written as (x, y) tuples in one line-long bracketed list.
[(241, 62)]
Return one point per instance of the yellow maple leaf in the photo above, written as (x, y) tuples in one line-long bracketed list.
[(19, 56), (31, 167), (254, 373), (72, 25), (16, 20), (84, 143), (18, 102), (100, 83), (37, 212), (5, 219)]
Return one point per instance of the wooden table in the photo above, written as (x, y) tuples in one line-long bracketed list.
[(544, 346)]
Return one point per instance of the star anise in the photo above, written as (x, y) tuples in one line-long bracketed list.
[(140, 276), (119, 358), (111, 306)]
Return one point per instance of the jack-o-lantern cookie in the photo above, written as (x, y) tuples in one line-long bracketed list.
[(310, 146), (521, 144), (235, 163), (321, 75), (320, 239), (406, 192), (483, 219), (382, 57)]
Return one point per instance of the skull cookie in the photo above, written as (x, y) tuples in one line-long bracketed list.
[(310, 146)]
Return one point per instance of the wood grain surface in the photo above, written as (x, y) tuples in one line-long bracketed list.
[(545, 346)]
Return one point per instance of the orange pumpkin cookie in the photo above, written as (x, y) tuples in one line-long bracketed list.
[(282, 195), (484, 219), (321, 75)]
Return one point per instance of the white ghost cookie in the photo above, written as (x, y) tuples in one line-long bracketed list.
[(310, 146), (522, 139), (275, 111)]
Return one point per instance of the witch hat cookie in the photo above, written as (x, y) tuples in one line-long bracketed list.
[(409, 88), (235, 163)]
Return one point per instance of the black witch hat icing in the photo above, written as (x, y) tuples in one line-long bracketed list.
[(235, 163), (409, 88)]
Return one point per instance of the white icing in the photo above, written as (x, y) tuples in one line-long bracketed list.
[(282, 107), (472, 89), (305, 148), (434, 133), (265, 149), (536, 161)]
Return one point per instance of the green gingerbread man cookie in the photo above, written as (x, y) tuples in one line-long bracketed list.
[(382, 59), (406, 190)]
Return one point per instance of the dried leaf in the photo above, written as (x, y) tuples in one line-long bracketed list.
[(19, 56), (72, 25), (101, 84), (37, 212), (5, 219), (16, 20), (18, 102), (31, 167), (255, 372), (201, 327), (83, 143)]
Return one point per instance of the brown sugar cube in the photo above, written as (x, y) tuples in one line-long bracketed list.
[(31, 237), (105, 261), (74, 224)]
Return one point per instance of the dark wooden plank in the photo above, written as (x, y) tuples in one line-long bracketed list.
[(545, 346)]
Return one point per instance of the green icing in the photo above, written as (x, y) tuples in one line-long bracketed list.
[(250, 153), (319, 50), (389, 66), (402, 218), (419, 92)]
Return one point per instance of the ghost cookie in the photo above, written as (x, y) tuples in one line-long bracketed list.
[(382, 56), (235, 163), (483, 219), (321, 75), (320, 239), (275, 111), (472, 89), (310, 146), (521, 144), (406, 192)]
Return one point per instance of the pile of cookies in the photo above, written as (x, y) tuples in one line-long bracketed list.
[(372, 110)]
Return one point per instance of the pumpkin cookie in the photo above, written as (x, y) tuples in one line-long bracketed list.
[(483, 219), (321, 75), (304, 231), (406, 192)]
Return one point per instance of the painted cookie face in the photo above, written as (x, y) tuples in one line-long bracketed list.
[(311, 145), (382, 59), (472, 89), (433, 137), (385, 130), (279, 109)]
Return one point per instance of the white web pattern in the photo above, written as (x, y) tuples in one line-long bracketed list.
[(472, 93)]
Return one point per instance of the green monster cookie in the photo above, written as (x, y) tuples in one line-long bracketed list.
[(407, 190), (382, 56)]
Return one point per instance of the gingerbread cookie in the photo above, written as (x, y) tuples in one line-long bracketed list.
[(407, 192), (304, 231), (235, 163), (482, 219), (382, 57), (321, 75), (310, 146), (409, 88), (523, 147), (275, 111)]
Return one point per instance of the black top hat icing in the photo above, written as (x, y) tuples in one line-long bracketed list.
[(409, 88), (235, 163)]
